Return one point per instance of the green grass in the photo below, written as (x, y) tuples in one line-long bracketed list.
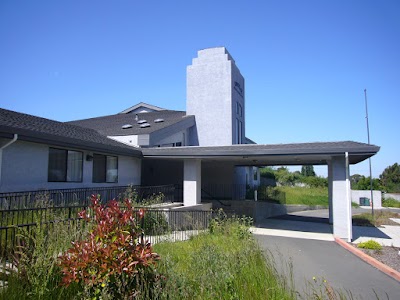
[(305, 195), (390, 202), (225, 264)]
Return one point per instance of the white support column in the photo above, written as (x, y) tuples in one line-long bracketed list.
[(330, 182), (191, 182), (341, 197)]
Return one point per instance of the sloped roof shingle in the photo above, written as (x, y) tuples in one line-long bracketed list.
[(37, 129), (112, 125)]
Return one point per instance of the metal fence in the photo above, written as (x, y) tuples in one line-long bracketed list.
[(81, 196), (157, 225)]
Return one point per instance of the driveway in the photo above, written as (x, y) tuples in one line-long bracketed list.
[(304, 241), (326, 260)]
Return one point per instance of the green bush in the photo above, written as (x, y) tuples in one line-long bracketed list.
[(139, 200), (315, 182), (154, 223), (110, 261), (371, 244), (267, 172), (390, 202)]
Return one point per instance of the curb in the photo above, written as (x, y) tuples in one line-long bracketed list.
[(370, 260)]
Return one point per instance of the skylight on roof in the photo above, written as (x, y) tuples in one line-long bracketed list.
[(158, 120), (144, 125), (126, 126), (141, 121)]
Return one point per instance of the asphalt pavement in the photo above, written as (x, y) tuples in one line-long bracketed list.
[(309, 262), (303, 249)]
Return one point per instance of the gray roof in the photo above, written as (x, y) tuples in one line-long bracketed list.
[(36, 129), (112, 125), (277, 154)]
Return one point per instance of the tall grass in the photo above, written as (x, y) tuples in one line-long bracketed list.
[(226, 263), (305, 195), (34, 271)]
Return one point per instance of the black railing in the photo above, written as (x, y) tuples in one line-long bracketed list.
[(223, 191), (157, 225), (81, 196)]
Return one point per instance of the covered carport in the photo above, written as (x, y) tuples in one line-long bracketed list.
[(336, 155)]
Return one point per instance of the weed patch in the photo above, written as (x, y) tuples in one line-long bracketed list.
[(380, 218), (371, 245), (226, 263)]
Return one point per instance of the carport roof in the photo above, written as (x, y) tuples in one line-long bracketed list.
[(318, 153)]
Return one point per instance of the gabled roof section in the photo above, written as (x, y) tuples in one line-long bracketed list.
[(41, 130), (138, 107), (113, 125)]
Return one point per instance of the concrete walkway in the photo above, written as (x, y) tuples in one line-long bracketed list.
[(314, 224), (304, 240)]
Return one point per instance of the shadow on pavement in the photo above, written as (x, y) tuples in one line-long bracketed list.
[(296, 223), (303, 219), (373, 232)]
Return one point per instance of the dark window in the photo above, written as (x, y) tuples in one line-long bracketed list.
[(239, 109), (65, 165), (105, 168), (239, 130)]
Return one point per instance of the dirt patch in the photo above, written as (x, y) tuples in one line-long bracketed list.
[(388, 256)]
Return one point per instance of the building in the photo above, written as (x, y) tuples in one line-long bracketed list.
[(205, 149)]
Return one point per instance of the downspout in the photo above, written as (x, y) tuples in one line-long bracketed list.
[(348, 199), (15, 138)]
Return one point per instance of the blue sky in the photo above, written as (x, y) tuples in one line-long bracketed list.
[(306, 63)]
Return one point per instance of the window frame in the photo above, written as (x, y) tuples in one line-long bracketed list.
[(104, 179), (65, 170)]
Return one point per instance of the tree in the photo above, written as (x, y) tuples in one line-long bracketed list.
[(390, 178), (307, 170), (285, 177), (364, 183), (354, 179)]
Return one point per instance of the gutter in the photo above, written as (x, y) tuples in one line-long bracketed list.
[(15, 138)]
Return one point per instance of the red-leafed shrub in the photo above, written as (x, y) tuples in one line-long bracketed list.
[(112, 259)]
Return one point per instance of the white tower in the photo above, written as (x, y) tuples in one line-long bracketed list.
[(216, 97)]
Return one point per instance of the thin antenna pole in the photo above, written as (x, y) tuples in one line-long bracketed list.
[(369, 159)]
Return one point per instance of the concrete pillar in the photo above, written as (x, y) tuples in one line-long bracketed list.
[(191, 182), (330, 192), (341, 197)]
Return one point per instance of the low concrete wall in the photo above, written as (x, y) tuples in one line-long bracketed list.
[(258, 210), (392, 196), (357, 194), (198, 207)]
